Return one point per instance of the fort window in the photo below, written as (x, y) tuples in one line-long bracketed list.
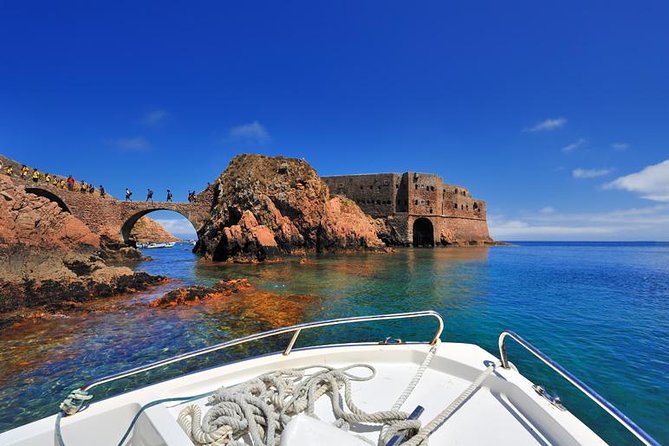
[(362, 187), (378, 201), (416, 187), (415, 202), (455, 205), (462, 207), (430, 210), (456, 190), (427, 202)]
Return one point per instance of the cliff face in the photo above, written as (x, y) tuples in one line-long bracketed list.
[(47, 255), (267, 206), (36, 222), (147, 230)]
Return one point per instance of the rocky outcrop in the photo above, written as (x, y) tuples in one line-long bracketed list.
[(198, 293), (266, 207), (48, 256), (246, 308), (147, 230)]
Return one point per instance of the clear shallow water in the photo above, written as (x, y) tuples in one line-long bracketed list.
[(600, 309)]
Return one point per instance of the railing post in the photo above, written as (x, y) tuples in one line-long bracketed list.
[(296, 333)]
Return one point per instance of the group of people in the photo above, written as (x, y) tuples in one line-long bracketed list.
[(71, 184), (36, 176), (149, 195)]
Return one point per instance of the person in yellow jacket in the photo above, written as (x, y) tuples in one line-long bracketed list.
[(62, 183), (36, 175), (54, 180), (24, 171), (47, 178), (10, 170)]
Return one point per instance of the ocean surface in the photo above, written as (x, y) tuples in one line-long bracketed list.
[(599, 309)]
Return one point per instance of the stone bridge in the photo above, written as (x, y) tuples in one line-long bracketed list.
[(107, 215)]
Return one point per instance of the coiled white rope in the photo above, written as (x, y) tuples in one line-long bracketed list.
[(261, 408)]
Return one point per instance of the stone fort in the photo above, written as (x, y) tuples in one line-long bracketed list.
[(419, 208)]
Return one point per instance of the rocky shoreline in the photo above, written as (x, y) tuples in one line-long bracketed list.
[(50, 260)]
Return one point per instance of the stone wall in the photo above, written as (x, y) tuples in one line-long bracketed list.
[(375, 194), (401, 199)]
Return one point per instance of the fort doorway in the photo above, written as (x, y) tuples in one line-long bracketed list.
[(423, 233)]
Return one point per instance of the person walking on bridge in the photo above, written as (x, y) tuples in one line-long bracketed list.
[(169, 195), (102, 191), (36, 175), (70, 182), (10, 171), (149, 195), (128, 194), (24, 171)]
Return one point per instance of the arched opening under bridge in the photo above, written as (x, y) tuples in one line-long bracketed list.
[(138, 229), (423, 232), (49, 196)]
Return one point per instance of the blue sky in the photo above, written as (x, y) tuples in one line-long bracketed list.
[(555, 113)]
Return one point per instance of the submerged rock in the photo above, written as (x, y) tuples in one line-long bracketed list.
[(198, 293), (243, 306), (266, 207)]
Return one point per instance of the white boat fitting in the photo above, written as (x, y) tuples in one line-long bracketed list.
[(387, 393)]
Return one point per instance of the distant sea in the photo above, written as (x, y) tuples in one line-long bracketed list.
[(599, 309)]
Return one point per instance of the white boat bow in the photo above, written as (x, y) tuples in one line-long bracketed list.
[(458, 394)]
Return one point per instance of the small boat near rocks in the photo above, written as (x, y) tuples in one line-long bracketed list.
[(388, 392), (154, 245)]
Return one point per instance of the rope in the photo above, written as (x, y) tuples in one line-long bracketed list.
[(421, 437), (261, 407), (383, 435)]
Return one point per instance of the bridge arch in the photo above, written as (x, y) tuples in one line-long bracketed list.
[(423, 232), (129, 223), (49, 196)]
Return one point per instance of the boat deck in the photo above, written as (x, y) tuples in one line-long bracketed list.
[(504, 411)]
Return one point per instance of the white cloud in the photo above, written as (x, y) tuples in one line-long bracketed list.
[(155, 117), (647, 223), (590, 173), (620, 146), (573, 146), (652, 182), (253, 133), (181, 228), (546, 125), (547, 210), (137, 143)]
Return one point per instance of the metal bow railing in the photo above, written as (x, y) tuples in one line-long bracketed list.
[(612, 410), (295, 329)]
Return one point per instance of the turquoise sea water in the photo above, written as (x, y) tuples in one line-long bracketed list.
[(599, 309)]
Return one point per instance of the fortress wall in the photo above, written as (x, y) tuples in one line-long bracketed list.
[(375, 194), (463, 229), (425, 193)]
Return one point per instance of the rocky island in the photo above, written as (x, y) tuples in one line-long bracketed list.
[(58, 245)]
